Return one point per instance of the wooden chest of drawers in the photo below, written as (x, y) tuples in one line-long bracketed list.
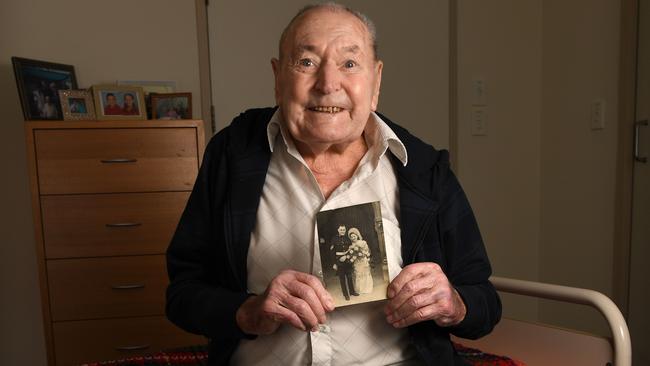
[(106, 198)]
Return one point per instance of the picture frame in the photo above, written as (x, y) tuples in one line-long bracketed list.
[(171, 106), (77, 105), (118, 102), (38, 85), (150, 87)]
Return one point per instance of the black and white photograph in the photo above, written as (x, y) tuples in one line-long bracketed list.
[(353, 253)]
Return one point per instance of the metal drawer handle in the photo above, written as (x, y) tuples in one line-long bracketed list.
[(637, 126), (113, 161), (133, 348), (123, 224), (128, 287)]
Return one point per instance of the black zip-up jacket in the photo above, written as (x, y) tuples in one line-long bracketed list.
[(206, 259)]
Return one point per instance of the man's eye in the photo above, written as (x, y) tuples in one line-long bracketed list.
[(350, 64), (306, 62)]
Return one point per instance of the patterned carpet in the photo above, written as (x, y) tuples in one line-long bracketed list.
[(198, 356)]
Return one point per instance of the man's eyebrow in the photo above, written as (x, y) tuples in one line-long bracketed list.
[(305, 48), (311, 48), (352, 49)]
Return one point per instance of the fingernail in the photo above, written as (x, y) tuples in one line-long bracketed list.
[(390, 293), (314, 328)]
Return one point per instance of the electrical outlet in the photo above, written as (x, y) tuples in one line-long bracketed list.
[(479, 121), (597, 118)]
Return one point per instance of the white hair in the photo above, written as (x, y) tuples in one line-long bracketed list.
[(335, 7)]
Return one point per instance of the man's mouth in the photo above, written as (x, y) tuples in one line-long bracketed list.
[(326, 109)]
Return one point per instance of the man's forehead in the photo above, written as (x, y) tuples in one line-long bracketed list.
[(321, 25)]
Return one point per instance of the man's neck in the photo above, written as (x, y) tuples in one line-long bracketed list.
[(334, 165)]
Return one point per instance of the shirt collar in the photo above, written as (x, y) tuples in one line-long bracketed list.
[(378, 135)]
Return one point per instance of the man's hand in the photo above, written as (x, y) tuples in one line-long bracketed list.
[(422, 292), (292, 297)]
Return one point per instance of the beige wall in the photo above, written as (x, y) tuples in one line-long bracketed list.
[(500, 42), (120, 40), (413, 43), (541, 181), (581, 40)]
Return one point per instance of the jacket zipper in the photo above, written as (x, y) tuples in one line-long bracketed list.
[(420, 238), (228, 238)]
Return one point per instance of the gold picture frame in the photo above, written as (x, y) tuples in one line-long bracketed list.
[(117, 102), (77, 105)]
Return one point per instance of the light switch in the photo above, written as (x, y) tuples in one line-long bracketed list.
[(479, 121), (479, 92)]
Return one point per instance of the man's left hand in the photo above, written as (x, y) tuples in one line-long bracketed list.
[(421, 291)]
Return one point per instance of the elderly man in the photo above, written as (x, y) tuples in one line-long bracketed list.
[(244, 262)]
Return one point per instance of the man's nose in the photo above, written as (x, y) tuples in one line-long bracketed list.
[(328, 78)]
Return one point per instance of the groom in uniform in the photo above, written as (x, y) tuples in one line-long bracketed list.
[(339, 246)]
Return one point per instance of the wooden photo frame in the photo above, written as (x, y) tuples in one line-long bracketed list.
[(171, 106), (117, 102), (77, 105), (38, 85)]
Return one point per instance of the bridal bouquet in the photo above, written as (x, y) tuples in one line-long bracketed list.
[(354, 253)]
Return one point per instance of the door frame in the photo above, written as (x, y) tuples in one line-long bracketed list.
[(205, 83), (624, 154)]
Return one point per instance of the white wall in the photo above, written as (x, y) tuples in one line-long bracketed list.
[(105, 41), (541, 181), (413, 43)]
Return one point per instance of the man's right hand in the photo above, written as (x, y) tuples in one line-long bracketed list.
[(292, 297)]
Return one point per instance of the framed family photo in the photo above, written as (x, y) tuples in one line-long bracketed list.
[(77, 105), (151, 87), (171, 106), (353, 253), (39, 83), (116, 102)]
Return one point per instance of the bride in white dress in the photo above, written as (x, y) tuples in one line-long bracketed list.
[(360, 251)]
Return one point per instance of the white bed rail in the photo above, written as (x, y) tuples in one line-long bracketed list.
[(617, 324)]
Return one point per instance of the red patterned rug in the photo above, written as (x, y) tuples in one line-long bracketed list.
[(198, 356)]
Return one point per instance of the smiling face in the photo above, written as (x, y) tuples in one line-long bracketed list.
[(128, 100), (110, 100), (327, 79)]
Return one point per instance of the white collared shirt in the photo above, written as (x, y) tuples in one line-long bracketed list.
[(285, 237)]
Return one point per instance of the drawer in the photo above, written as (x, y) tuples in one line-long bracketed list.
[(110, 224), (116, 160), (107, 287), (101, 340)]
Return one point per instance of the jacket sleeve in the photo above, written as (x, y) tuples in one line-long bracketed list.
[(466, 262), (200, 298)]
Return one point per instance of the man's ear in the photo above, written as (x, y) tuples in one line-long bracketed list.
[(275, 65), (375, 93)]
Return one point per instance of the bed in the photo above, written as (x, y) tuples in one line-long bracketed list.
[(512, 343), (539, 344)]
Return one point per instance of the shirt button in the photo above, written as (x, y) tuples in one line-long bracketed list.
[(324, 328)]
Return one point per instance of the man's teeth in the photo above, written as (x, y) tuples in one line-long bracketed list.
[(327, 109)]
